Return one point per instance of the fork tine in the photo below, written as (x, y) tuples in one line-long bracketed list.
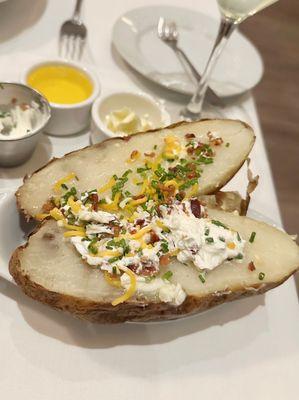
[(161, 27), (81, 47), (61, 44), (71, 47)]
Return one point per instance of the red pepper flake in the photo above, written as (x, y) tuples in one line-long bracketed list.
[(251, 266), (195, 208), (189, 136)]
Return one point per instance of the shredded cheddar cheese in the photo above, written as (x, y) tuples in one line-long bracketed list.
[(74, 233), (41, 216), (69, 177), (73, 227), (112, 281), (108, 186), (75, 205), (131, 290), (141, 232), (138, 201), (57, 214), (112, 206)]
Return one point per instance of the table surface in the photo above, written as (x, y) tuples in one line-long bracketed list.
[(243, 350), (277, 99)]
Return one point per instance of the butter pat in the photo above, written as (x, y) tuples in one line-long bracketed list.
[(126, 121)]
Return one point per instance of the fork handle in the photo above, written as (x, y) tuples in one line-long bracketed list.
[(77, 11), (194, 74)]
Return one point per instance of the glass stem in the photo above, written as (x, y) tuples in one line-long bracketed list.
[(226, 28)]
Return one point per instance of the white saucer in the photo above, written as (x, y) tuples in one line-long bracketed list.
[(239, 68)]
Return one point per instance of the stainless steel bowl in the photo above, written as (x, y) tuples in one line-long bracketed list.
[(16, 151)]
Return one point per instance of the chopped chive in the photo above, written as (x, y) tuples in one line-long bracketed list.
[(218, 223), (261, 276), (207, 231), (209, 240), (63, 185), (227, 144), (202, 278), (155, 147), (114, 259), (221, 239), (252, 237), (164, 246), (239, 256), (238, 237), (167, 275), (114, 270)]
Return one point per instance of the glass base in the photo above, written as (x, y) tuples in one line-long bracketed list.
[(233, 111)]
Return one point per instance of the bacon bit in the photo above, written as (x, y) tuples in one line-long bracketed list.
[(137, 197), (191, 175), (195, 208), (48, 206), (189, 136), (168, 189), (134, 154), (251, 266), (94, 198), (14, 100), (140, 222), (24, 106), (145, 269), (164, 260), (153, 237), (159, 212), (190, 150), (126, 138), (132, 230), (214, 140), (181, 195), (152, 154), (116, 230)]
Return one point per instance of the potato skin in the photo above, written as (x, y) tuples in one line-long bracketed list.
[(105, 313)]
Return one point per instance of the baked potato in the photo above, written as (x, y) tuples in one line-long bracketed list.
[(94, 165), (49, 270)]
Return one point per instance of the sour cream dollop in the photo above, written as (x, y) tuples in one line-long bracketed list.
[(18, 120)]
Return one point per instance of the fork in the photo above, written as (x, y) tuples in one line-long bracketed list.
[(73, 35), (168, 33)]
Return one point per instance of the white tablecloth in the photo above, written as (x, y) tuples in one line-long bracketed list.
[(244, 350)]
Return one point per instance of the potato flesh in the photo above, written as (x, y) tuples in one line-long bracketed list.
[(54, 263), (96, 164)]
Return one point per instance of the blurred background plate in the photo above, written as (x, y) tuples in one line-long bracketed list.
[(135, 37)]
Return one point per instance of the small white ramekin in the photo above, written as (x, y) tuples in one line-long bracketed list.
[(67, 119), (140, 103)]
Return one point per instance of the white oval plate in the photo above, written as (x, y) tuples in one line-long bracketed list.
[(239, 68)]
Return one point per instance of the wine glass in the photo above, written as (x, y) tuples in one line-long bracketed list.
[(233, 12)]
